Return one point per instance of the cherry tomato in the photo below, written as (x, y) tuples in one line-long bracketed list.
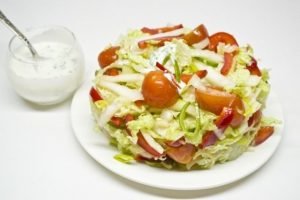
[(197, 35), (153, 31), (158, 91), (214, 101), (216, 38), (263, 134), (112, 72), (182, 154), (228, 59), (186, 77), (108, 56), (95, 95), (143, 143)]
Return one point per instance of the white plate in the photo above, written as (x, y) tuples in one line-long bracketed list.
[(97, 145)]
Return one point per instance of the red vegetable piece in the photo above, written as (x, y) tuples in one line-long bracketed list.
[(263, 134), (95, 95), (117, 121), (186, 77), (161, 67), (253, 68), (112, 72), (197, 35), (223, 37), (153, 31), (182, 154), (228, 58), (255, 118), (144, 144), (225, 118), (208, 139), (108, 56), (176, 143)]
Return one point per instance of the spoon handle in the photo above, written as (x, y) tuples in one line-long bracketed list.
[(13, 28)]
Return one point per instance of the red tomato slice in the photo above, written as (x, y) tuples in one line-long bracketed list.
[(95, 95), (182, 154), (263, 134), (208, 139), (158, 91), (223, 37), (186, 77), (197, 35), (153, 31), (160, 41), (143, 143), (253, 68), (108, 56), (228, 58)]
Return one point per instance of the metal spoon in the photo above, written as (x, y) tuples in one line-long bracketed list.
[(18, 33)]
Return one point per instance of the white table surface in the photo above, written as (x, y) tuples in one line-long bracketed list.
[(41, 159)]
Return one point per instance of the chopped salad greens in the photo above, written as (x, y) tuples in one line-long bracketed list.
[(180, 98)]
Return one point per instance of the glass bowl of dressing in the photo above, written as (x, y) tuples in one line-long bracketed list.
[(54, 74)]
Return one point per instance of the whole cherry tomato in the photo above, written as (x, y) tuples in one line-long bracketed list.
[(108, 56), (158, 91)]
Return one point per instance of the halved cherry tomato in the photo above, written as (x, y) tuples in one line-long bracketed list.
[(214, 101), (197, 35), (228, 58), (158, 91), (223, 37), (153, 31), (112, 72), (182, 154), (208, 139), (255, 118), (108, 56), (253, 68), (160, 41), (143, 143), (186, 77), (95, 95), (263, 134)]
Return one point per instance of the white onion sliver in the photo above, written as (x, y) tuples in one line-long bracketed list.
[(253, 81), (157, 147), (220, 134), (123, 78), (195, 81), (123, 91), (202, 44), (217, 79)]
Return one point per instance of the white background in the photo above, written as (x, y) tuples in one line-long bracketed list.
[(41, 159)]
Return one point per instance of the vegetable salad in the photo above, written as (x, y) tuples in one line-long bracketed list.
[(176, 97)]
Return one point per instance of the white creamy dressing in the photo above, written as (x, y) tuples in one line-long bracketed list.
[(49, 78)]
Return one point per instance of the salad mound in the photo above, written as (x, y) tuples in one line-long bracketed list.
[(176, 97)]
